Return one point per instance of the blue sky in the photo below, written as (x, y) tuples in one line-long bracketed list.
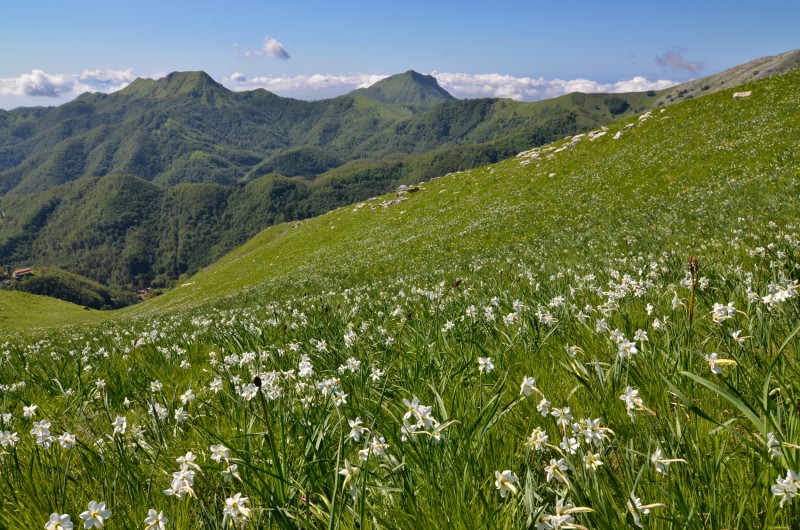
[(51, 51)]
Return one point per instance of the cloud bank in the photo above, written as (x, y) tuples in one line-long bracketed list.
[(41, 84), (39, 87), (460, 85), (317, 86), (533, 88)]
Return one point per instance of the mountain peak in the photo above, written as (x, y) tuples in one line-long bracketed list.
[(190, 78), (193, 84), (410, 89)]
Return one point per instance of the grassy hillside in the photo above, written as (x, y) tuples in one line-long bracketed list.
[(760, 68), (683, 172), (57, 283), (21, 312), (592, 184), (127, 231), (240, 162), (598, 333), (64, 170)]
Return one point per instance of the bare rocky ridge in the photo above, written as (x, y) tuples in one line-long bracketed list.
[(754, 70)]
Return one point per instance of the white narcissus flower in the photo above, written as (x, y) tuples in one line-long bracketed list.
[(537, 441), (485, 364), (235, 507), (181, 415), (633, 402), (555, 470), (59, 522), (787, 488), (569, 445), (219, 452), (230, 473), (737, 336), (543, 407), (66, 440), (182, 482), (528, 386), (187, 461), (773, 445), (661, 464), (720, 313), (378, 446), (637, 509), (155, 520), (8, 438), (249, 391), (187, 396), (349, 471), (159, 411), (563, 416), (592, 460), (96, 515), (505, 482), (716, 363), (562, 518), (215, 385), (627, 349), (120, 424), (356, 429)]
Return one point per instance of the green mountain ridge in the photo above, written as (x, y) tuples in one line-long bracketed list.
[(142, 186), (156, 129), (663, 172), (187, 130), (686, 173)]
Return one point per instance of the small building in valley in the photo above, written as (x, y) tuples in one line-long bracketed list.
[(21, 273)]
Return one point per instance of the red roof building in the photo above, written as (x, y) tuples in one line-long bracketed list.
[(21, 273)]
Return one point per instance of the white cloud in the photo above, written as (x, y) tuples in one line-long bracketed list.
[(275, 49), (41, 84), (272, 48), (460, 85), (37, 83), (316, 86), (238, 78), (42, 88), (106, 80), (535, 88)]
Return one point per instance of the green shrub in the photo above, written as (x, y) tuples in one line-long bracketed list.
[(616, 105)]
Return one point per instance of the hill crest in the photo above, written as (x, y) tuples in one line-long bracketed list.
[(193, 83), (410, 89)]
